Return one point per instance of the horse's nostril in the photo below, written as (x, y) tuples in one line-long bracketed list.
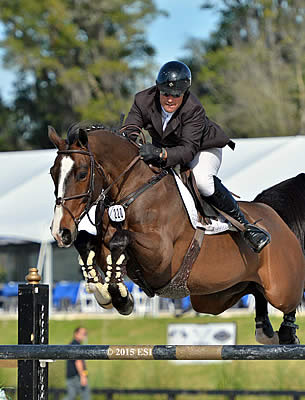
[(66, 236)]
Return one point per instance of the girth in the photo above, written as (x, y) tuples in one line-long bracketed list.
[(177, 287)]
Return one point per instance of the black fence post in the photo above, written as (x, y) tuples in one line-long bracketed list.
[(33, 328)]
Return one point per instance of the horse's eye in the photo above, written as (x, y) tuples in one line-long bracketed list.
[(81, 175)]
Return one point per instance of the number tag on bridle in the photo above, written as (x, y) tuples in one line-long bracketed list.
[(116, 213)]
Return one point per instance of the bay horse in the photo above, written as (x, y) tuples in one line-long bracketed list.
[(96, 166)]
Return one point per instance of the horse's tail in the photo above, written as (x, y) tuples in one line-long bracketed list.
[(288, 200)]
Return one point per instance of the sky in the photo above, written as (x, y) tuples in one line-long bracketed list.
[(167, 34)]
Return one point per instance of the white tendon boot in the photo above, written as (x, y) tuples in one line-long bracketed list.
[(99, 290)]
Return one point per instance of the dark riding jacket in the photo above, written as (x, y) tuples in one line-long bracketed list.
[(188, 131)]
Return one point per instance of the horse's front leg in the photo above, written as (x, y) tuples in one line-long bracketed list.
[(122, 299), (86, 245)]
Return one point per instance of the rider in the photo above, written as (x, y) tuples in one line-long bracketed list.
[(182, 134)]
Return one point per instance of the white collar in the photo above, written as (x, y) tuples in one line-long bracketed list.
[(167, 114)]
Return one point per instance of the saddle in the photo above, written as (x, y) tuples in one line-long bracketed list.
[(204, 208)]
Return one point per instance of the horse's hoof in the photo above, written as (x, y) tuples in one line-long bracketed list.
[(296, 340), (291, 340), (264, 332), (264, 339), (127, 307), (101, 295), (287, 331), (108, 306)]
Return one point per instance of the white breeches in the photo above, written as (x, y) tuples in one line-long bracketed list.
[(204, 165)]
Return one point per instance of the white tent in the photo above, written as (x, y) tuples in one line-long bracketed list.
[(258, 163), (26, 203), (27, 198), (26, 195)]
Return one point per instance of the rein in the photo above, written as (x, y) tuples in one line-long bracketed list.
[(103, 194)]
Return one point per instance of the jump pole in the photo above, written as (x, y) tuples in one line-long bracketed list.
[(151, 352)]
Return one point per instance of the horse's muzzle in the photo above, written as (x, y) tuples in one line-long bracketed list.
[(67, 237)]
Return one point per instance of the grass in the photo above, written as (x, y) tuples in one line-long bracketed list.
[(252, 375)]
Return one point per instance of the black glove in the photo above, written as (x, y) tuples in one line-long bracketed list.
[(151, 153)]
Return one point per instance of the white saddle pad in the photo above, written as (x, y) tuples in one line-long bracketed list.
[(217, 225)]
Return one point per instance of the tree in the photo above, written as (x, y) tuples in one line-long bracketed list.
[(250, 74), (77, 59), (8, 139)]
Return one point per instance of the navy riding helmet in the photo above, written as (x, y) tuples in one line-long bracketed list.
[(174, 78)]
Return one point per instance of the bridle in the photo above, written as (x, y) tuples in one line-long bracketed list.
[(60, 201), (95, 165)]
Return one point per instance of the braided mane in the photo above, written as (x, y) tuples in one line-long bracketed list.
[(73, 130)]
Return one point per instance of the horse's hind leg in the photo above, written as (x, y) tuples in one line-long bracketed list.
[(287, 331), (264, 332)]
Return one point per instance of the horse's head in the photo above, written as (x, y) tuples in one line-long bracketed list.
[(72, 174)]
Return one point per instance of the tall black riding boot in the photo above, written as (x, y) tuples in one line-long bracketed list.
[(256, 237)]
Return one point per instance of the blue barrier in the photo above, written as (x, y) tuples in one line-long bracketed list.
[(65, 290), (10, 289)]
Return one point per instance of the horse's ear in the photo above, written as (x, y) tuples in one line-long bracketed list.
[(82, 137), (55, 139)]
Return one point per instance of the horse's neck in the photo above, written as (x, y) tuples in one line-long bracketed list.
[(115, 155), (112, 151)]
